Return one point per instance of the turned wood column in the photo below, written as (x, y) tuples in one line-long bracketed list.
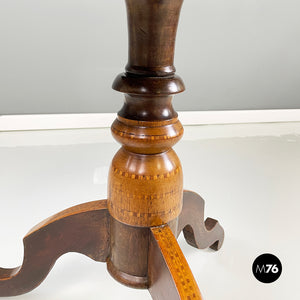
[(135, 229), (145, 180)]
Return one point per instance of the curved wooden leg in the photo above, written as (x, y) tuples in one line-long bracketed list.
[(170, 276), (83, 228), (197, 232)]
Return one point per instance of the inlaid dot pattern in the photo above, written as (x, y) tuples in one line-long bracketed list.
[(147, 177), (179, 268)]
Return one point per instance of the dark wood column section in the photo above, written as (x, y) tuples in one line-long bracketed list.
[(152, 27)]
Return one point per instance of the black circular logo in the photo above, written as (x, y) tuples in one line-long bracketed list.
[(267, 268)]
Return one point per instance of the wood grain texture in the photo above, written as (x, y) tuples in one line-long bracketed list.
[(145, 190), (152, 29), (170, 276), (83, 228), (128, 260), (147, 137), (148, 86), (197, 232)]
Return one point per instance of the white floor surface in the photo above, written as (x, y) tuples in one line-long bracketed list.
[(249, 175)]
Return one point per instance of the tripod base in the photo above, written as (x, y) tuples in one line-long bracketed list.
[(87, 229)]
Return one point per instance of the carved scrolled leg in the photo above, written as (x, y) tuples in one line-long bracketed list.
[(83, 228), (197, 232), (170, 276)]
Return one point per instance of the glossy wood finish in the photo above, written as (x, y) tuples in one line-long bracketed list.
[(147, 137), (154, 86), (170, 276), (152, 26), (83, 229)]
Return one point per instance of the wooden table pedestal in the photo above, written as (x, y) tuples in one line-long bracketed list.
[(134, 231)]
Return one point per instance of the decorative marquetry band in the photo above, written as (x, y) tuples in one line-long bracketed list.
[(146, 177), (147, 136), (145, 190), (150, 206), (143, 219), (185, 282)]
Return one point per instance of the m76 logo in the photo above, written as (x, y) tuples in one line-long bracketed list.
[(267, 269)]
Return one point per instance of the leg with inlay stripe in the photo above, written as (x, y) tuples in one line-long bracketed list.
[(170, 276)]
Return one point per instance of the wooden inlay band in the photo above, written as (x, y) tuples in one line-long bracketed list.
[(148, 190), (180, 271), (146, 177)]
